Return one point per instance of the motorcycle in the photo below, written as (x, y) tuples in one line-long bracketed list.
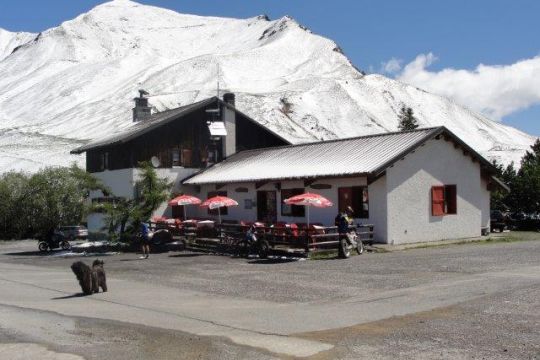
[(248, 243), (348, 242), (55, 241), (251, 243)]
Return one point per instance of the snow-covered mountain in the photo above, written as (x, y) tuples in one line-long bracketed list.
[(76, 82), (9, 41)]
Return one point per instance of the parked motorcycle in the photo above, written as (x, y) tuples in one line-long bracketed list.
[(348, 242), (249, 242), (57, 240)]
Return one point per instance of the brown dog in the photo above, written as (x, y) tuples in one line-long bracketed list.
[(90, 279)]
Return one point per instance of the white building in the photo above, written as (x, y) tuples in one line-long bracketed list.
[(179, 142), (421, 185), (413, 186)]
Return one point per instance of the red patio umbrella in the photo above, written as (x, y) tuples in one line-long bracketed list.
[(218, 202), (309, 199), (184, 200)]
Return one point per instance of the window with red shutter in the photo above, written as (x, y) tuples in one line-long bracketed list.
[(443, 200), (437, 200)]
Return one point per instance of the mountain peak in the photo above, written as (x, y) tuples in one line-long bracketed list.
[(82, 75)]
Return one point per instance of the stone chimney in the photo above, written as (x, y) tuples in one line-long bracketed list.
[(229, 118), (141, 111)]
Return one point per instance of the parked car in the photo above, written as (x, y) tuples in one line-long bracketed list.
[(74, 232), (500, 221), (526, 222)]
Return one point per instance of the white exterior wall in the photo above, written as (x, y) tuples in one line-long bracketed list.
[(409, 184), (378, 209), (316, 215), (122, 184), (486, 203)]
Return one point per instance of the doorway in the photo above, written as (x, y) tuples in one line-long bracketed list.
[(266, 206)]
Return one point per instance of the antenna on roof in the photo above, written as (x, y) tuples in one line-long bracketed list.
[(218, 80)]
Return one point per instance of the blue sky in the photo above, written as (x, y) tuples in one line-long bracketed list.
[(460, 33)]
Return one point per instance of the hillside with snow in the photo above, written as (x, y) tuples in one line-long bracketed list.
[(76, 82)]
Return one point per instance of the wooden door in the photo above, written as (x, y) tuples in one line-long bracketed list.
[(267, 206)]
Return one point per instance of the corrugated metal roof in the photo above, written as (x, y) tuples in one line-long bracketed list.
[(144, 126), (353, 156)]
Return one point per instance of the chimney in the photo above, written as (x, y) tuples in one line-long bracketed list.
[(141, 111), (229, 98), (229, 118)]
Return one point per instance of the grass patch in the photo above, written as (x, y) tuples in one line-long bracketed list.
[(489, 240), (323, 255)]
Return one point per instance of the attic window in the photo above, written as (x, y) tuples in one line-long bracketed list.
[(443, 200)]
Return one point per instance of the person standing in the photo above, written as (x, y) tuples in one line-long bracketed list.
[(145, 239), (344, 221)]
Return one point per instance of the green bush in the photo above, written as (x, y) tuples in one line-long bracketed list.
[(32, 204)]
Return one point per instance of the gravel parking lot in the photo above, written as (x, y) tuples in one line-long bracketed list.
[(495, 323), (286, 280)]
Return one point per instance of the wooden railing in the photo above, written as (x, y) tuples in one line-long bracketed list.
[(226, 237)]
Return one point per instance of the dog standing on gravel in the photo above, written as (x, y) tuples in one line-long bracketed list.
[(90, 278)]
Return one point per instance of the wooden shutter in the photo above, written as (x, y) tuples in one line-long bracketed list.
[(437, 200)]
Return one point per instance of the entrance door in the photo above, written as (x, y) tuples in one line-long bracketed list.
[(266, 206)]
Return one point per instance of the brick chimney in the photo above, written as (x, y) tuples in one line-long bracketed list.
[(141, 111)]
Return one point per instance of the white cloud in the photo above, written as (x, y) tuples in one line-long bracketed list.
[(391, 66), (495, 91)]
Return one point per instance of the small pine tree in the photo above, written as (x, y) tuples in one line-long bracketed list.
[(407, 120), (527, 183)]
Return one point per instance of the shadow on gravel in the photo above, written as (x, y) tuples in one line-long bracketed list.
[(134, 259), (30, 253), (271, 261), (68, 296), (186, 255)]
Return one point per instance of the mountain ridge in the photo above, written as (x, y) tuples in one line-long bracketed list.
[(82, 75)]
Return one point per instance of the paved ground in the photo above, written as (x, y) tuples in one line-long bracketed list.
[(461, 301)]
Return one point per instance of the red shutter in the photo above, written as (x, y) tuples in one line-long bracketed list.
[(437, 200)]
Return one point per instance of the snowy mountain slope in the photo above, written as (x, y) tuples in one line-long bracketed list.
[(75, 82), (10, 40)]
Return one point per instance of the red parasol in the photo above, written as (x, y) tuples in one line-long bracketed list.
[(218, 202), (309, 199), (183, 200)]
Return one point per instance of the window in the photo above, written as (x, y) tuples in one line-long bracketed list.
[(223, 210), (292, 210), (443, 200), (175, 157), (356, 197), (186, 158)]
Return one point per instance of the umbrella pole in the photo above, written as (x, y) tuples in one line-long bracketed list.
[(219, 214), (307, 218), (185, 218)]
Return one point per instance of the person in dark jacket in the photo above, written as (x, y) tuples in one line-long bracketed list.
[(344, 220), (145, 239)]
